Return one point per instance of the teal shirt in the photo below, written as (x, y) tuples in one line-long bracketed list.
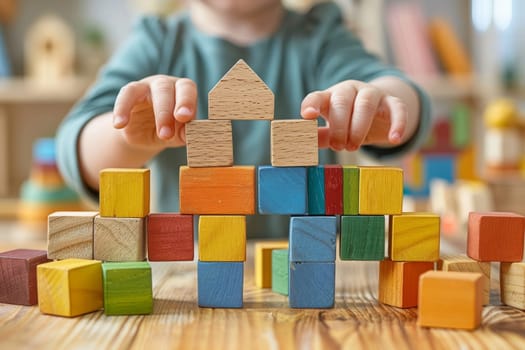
[(309, 52)]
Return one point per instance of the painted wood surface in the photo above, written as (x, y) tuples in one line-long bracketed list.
[(414, 237), (362, 237), (294, 142), (316, 194), (333, 189), (312, 238), (220, 284), (380, 191), (280, 271), (222, 238), (350, 190), (263, 261), (170, 237), (209, 143), (312, 285), (70, 234), (282, 191)]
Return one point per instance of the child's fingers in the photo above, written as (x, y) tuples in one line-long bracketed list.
[(315, 104), (323, 137), (186, 100), (163, 100), (365, 107), (341, 104), (126, 99), (398, 118)]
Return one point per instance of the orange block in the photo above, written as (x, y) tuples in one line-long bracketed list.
[(398, 282), (450, 299), (495, 236), (217, 190)]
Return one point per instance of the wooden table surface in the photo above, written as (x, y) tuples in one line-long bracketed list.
[(266, 322)]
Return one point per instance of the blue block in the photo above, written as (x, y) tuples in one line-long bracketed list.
[(312, 285), (316, 198), (282, 190), (220, 284), (312, 238), (439, 166)]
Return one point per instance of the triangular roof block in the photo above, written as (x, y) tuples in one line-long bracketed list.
[(241, 94)]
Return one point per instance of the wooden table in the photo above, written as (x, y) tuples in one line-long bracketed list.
[(266, 321)]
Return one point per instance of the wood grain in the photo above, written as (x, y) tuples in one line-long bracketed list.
[(316, 193), (350, 190), (312, 285), (294, 143), (70, 234), (222, 238), (312, 238), (119, 239), (333, 189), (209, 143), (220, 284), (512, 284), (282, 190), (170, 237), (380, 190), (362, 237)]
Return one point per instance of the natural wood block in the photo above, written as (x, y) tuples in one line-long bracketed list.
[(124, 193), (240, 94), (263, 261), (209, 143), (380, 190), (170, 237), (495, 236), (282, 190), (119, 239), (461, 263), (294, 142), (280, 271), (316, 193), (219, 190), (450, 299), (70, 287), (220, 284), (362, 237), (333, 187), (414, 237), (312, 285), (18, 275), (350, 190), (512, 284), (70, 234), (127, 288), (398, 282), (312, 238), (503, 148), (222, 238)]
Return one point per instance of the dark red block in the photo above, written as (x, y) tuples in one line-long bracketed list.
[(170, 237), (18, 275), (333, 187)]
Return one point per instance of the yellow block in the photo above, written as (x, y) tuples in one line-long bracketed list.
[(70, 287), (414, 237), (124, 193), (222, 238), (380, 190), (263, 261)]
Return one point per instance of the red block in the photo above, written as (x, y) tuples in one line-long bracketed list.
[(18, 275), (495, 236), (333, 188), (170, 237)]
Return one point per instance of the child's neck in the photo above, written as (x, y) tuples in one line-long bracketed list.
[(241, 29)]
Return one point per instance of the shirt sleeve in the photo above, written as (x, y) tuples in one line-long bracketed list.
[(137, 58)]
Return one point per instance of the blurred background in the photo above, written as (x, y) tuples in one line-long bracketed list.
[(467, 54)]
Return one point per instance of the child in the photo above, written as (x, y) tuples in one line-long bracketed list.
[(173, 64)]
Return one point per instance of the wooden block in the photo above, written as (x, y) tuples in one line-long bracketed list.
[(312, 285), (312, 238), (280, 271), (240, 94), (70, 287), (220, 284), (220, 190), (380, 190), (209, 143), (450, 299), (398, 282), (495, 236), (461, 263), (282, 190), (18, 275), (124, 193), (170, 237), (70, 234), (119, 239), (414, 237), (127, 288), (263, 261), (512, 284), (333, 187), (350, 190), (294, 142), (222, 238), (362, 237), (316, 197)]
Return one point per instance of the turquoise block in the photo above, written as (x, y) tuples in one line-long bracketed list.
[(312, 285), (316, 198), (312, 238), (280, 271), (282, 190), (220, 284)]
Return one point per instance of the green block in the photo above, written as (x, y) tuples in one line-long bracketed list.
[(280, 271), (127, 288), (350, 190), (362, 237), (461, 126)]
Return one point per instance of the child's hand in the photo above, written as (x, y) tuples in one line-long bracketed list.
[(152, 112), (357, 113)]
